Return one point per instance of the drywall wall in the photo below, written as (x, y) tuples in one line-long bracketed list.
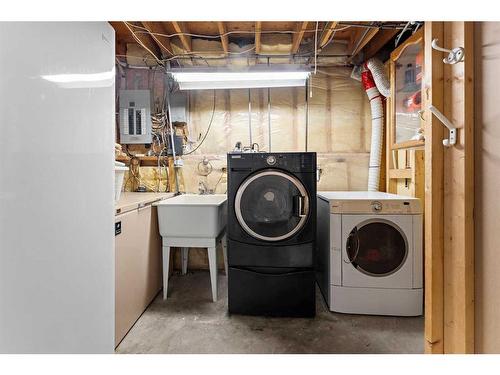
[(57, 188), (487, 181)]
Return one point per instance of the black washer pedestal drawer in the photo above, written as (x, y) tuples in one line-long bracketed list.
[(271, 292)]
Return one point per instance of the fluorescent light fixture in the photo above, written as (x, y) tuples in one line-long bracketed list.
[(82, 80), (252, 77)]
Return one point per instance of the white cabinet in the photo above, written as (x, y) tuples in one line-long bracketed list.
[(137, 264)]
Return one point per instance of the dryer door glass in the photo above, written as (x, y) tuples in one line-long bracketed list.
[(272, 205), (376, 248)]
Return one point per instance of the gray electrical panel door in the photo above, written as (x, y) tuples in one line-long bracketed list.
[(135, 116)]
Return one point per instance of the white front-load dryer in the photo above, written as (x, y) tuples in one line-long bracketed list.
[(370, 253)]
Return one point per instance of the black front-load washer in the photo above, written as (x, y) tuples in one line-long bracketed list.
[(271, 231)]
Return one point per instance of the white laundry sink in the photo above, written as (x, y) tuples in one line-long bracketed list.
[(192, 216)]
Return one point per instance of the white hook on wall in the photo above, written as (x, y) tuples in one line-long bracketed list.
[(452, 140), (454, 56)]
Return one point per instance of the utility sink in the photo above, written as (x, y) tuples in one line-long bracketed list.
[(192, 216)]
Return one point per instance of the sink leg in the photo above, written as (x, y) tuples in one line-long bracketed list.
[(212, 262), (184, 256), (166, 266)]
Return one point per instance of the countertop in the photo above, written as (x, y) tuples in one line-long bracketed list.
[(360, 195), (130, 200)]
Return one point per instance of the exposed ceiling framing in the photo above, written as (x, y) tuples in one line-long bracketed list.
[(363, 39), (327, 33), (145, 40), (182, 30), (223, 36), (297, 37), (258, 27), (379, 41), (155, 29)]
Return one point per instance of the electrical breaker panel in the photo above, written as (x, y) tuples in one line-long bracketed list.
[(135, 117)]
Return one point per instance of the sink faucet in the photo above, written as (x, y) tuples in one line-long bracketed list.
[(203, 188)]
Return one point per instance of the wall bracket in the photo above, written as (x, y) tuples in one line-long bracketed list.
[(455, 55), (452, 139)]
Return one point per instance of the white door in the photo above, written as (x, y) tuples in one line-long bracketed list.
[(377, 251), (57, 121)]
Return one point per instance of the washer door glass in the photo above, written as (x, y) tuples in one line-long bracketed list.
[(271, 205), (377, 248)]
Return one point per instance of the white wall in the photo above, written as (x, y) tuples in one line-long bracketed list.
[(56, 188)]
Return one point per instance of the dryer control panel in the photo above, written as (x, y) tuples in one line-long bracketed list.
[(376, 207), (364, 202)]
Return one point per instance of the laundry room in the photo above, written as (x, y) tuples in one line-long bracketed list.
[(248, 187), (276, 149)]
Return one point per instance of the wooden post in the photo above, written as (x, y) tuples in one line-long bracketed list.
[(433, 94), (459, 195), (449, 194)]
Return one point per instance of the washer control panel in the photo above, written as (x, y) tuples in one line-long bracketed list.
[(376, 206)]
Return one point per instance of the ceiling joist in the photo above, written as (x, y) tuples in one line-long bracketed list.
[(379, 41), (360, 43), (223, 37), (155, 29), (181, 29), (258, 28), (327, 33), (145, 40), (297, 37)]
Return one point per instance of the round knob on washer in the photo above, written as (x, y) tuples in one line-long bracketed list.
[(376, 206), (271, 160)]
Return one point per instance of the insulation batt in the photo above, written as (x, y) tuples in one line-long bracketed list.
[(339, 128)]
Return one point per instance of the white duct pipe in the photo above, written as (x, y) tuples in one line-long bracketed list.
[(377, 68), (377, 110)]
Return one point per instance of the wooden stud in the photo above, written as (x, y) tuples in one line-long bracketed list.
[(432, 93), (155, 28), (327, 33), (297, 37), (258, 28), (181, 29), (223, 37)]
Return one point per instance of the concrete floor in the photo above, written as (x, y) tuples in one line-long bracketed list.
[(189, 322)]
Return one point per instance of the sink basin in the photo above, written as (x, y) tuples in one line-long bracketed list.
[(190, 215)]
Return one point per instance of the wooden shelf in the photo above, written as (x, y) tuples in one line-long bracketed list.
[(146, 161)]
